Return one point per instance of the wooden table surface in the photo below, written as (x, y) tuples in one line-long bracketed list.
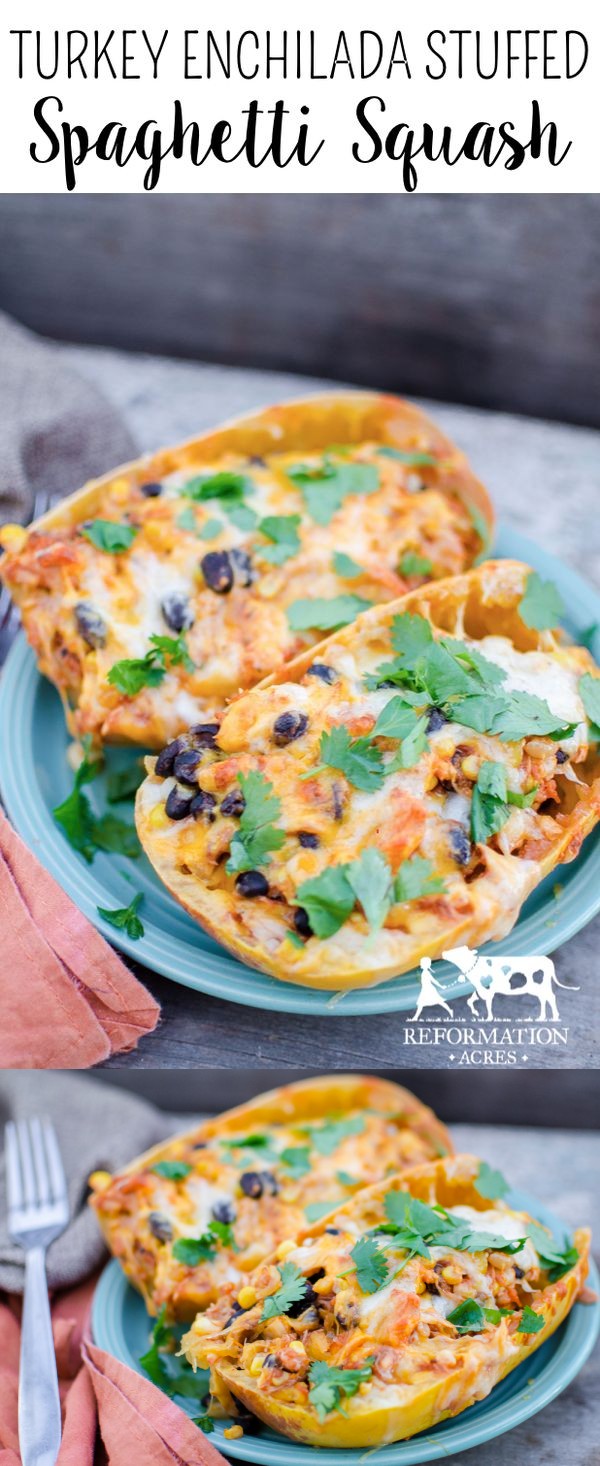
[(545, 480)]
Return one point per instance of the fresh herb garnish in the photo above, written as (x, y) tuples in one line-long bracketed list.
[(249, 1142), (482, 529), (358, 758), (296, 1159), (132, 673), (325, 615), (125, 918), (325, 486), (541, 607), (210, 529), (109, 535), (412, 460), (317, 1209), (345, 1179), (242, 516), (522, 715), (416, 1227), (371, 1265), (470, 1317), (330, 1385), (345, 566), (293, 1288), (172, 1170), (229, 487), (489, 803), (490, 1183), (204, 1423), (124, 783), (111, 833), (194, 1250), (413, 564), (256, 835), (556, 1260), (172, 1375), (327, 1137), (396, 720), (187, 520), (589, 692), (415, 878), (282, 530), (74, 814), (174, 650), (531, 1322), (371, 880), (328, 900)]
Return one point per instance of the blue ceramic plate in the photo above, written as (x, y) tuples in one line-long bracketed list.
[(34, 776), (121, 1325)]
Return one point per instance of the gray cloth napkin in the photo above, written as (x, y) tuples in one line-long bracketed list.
[(57, 429), (99, 1128)]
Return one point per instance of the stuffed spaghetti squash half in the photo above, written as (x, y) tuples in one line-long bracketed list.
[(156, 593), (395, 792), (190, 1218), (402, 1308)]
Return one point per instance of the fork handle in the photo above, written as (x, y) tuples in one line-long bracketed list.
[(39, 1402)]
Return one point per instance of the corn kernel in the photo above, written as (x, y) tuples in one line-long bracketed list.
[(322, 1285), (233, 1432), (119, 490), (257, 1364), (247, 1297), (285, 1248), (451, 1275), (13, 536), (158, 818), (470, 766), (99, 1179), (419, 1286)]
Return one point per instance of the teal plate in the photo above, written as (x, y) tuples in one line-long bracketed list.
[(34, 776), (121, 1326)]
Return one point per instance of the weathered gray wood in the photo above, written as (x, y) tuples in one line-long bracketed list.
[(489, 300)]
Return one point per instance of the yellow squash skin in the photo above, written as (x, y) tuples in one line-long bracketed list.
[(398, 1131), (190, 854), (427, 1398), (239, 636)]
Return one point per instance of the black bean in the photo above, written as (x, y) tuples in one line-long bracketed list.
[(561, 756), (271, 1361), (519, 1273), (178, 803), (257, 460), (269, 1182), (151, 490), (177, 611), (242, 564), (435, 720), (251, 1184), (160, 1226), (309, 1300), (387, 682), (337, 794), (203, 803), (322, 671), (460, 844), (167, 756), (236, 1309), (217, 570), (333, 1231), (90, 624), (252, 883), (203, 734), (200, 1145), (307, 840), (289, 726), (233, 804), (185, 765), (223, 1211), (301, 922)]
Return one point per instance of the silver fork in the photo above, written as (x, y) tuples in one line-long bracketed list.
[(9, 615), (38, 1211)]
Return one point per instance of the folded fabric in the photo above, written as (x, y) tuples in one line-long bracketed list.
[(57, 428), (99, 1396), (99, 1127), (66, 999)]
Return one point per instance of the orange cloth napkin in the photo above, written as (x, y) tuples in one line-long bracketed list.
[(134, 1420), (66, 999)]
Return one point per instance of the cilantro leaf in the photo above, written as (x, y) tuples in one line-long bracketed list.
[(132, 673), (412, 746), (345, 1179), (210, 529), (194, 1250), (282, 530), (325, 486), (358, 758), (75, 817), (296, 1159), (413, 564), (396, 720), (416, 1226), (125, 918), (317, 1209), (589, 692), (371, 880), (247, 1142), (187, 520), (481, 527), (411, 637), (109, 535), (556, 1260), (325, 615), (205, 1423), (345, 566), (412, 460), (293, 1288), (489, 806), (327, 1137), (371, 1264), (328, 900), (175, 648), (523, 715), (172, 1170), (111, 833), (123, 783), (256, 835), (490, 1183), (470, 1317), (473, 660), (329, 1385), (588, 636), (242, 516), (229, 487), (415, 879), (172, 1375), (531, 1322), (541, 607)]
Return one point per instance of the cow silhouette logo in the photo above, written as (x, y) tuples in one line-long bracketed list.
[(491, 977)]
